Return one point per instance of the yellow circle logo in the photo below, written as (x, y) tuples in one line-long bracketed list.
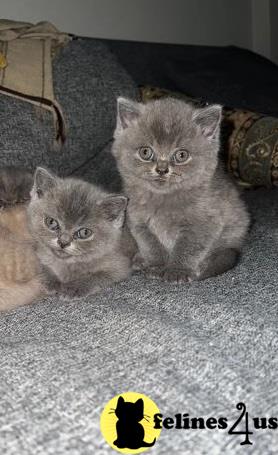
[(127, 423)]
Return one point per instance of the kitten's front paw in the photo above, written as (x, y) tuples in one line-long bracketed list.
[(71, 293), (78, 291), (68, 298), (138, 262), (154, 271), (178, 276), (51, 292), (171, 275), (49, 287)]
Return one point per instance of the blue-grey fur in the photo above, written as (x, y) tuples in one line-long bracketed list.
[(70, 266), (188, 218)]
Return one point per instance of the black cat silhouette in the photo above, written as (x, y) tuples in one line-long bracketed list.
[(130, 433)]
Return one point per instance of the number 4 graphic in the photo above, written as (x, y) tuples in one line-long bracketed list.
[(246, 432)]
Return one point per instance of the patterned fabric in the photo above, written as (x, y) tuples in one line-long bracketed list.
[(253, 148), (250, 141)]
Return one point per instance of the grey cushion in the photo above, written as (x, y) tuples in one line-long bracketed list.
[(101, 169), (87, 81)]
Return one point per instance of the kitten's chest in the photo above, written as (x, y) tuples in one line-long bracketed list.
[(162, 221), (64, 270), (163, 226)]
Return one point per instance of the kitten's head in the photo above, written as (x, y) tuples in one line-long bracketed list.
[(128, 411), (72, 218), (15, 186), (166, 144)]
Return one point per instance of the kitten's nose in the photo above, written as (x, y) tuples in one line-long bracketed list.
[(64, 240), (162, 167)]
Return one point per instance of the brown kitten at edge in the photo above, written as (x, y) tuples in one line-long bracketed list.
[(19, 284)]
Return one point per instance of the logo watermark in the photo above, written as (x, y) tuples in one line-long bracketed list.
[(127, 423), (132, 422)]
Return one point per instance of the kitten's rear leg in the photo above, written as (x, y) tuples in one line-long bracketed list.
[(218, 262)]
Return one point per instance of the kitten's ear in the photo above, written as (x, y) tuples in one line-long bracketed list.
[(209, 119), (43, 181), (140, 404), (128, 112), (121, 401), (114, 208)]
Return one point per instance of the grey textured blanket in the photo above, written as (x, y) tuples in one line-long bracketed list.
[(199, 349)]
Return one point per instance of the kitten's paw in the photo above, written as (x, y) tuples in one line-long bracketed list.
[(154, 271), (50, 284), (178, 276), (138, 263), (68, 298), (71, 294), (48, 289), (50, 292), (71, 291)]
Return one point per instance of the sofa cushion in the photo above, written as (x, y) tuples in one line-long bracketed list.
[(229, 75), (87, 80)]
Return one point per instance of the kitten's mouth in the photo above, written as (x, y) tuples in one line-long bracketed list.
[(172, 179), (160, 181), (61, 253), (164, 184), (64, 254)]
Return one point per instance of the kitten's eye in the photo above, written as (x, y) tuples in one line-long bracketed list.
[(83, 233), (146, 153), (181, 156), (52, 224)]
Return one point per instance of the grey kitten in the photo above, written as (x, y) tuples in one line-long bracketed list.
[(15, 186), (80, 235), (184, 212)]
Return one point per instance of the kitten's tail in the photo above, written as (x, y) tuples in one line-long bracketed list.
[(19, 294), (148, 444)]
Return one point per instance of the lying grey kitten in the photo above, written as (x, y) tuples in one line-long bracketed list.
[(81, 241), (15, 186), (184, 212)]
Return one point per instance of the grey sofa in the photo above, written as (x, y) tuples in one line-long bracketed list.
[(198, 349)]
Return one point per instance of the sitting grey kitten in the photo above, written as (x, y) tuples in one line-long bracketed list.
[(15, 186), (81, 240), (184, 212)]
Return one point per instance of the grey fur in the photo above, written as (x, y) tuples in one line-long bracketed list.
[(72, 267), (15, 186), (189, 223)]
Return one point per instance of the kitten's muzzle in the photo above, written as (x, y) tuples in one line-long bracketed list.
[(64, 240), (162, 168)]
